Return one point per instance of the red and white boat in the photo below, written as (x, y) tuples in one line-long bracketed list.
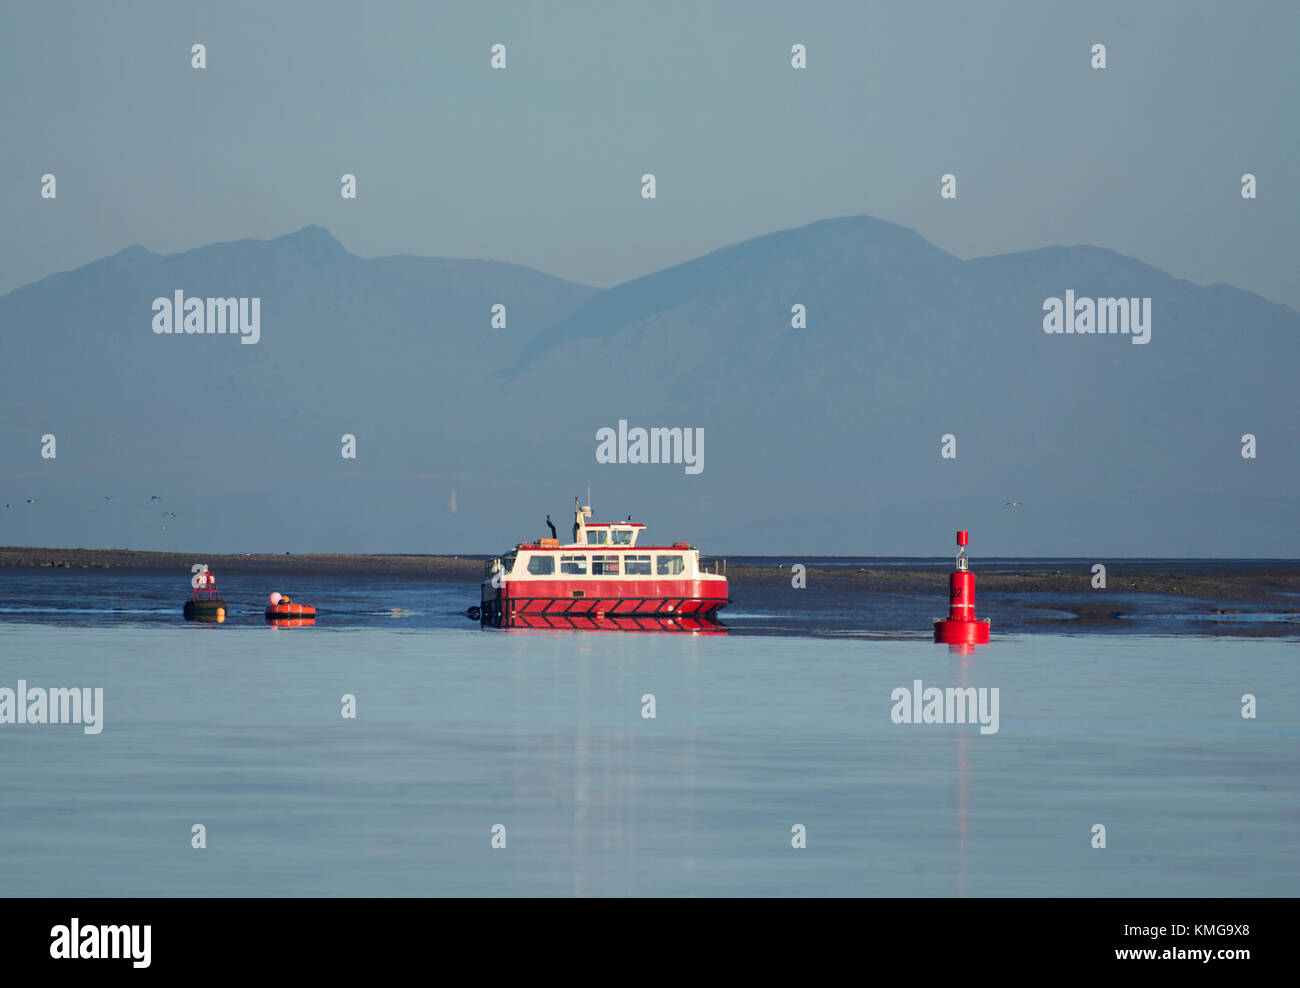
[(602, 579)]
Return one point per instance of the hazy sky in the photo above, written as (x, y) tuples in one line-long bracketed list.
[(541, 163)]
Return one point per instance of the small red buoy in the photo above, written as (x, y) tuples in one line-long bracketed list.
[(961, 627), (283, 612)]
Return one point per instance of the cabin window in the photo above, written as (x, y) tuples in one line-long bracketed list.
[(604, 565), (576, 565), (541, 565), (636, 565), (671, 565), (621, 537), (507, 563), (596, 536)]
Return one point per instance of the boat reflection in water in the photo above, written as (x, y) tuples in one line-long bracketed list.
[(599, 622)]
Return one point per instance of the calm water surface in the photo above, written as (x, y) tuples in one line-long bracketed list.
[(99, 598), (238, 728)]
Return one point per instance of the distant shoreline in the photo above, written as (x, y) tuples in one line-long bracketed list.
[(1263, 581)]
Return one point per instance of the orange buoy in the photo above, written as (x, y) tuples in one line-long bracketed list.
[(281, 608), (291, 611)]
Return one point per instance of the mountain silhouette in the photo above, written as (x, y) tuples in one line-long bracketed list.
[(819, 440)]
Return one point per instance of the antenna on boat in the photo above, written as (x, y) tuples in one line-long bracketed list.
[(581, 512)]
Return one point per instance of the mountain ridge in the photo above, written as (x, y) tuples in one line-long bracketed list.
[(1111, 446)]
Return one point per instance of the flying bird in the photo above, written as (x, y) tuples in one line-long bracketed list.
[(8, 505), (31, 500), (108, 497), (155, 498), (1015, 504), (169, 514)]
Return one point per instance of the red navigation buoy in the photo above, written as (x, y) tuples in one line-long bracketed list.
[(200, 607), (961, 627)]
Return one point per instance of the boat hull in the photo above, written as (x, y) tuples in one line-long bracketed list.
[(560, 603), (590, 622)]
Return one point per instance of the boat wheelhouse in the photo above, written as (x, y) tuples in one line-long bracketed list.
[(602, 579)]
